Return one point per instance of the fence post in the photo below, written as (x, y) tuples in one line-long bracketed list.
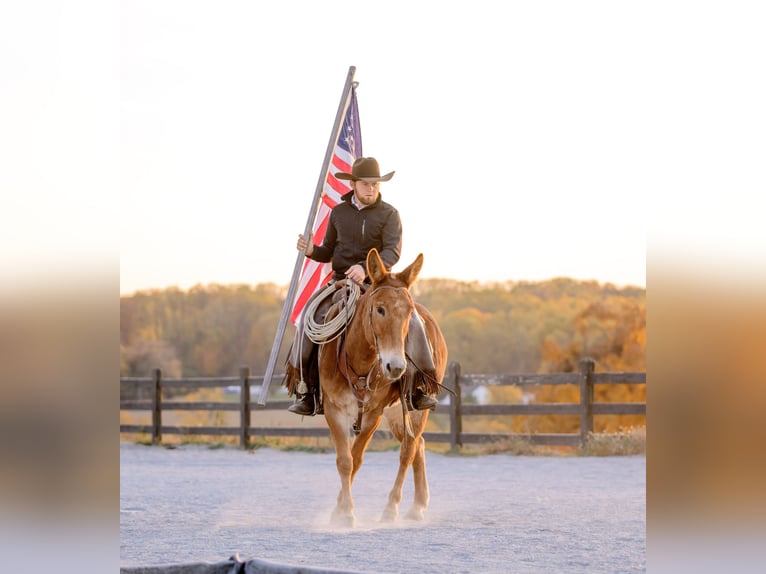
[(156, 406), (455, 416), (244, 407), (587, 366)]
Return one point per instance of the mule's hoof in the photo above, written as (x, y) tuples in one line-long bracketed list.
[(416, 514), (389, 515), (340, 520)]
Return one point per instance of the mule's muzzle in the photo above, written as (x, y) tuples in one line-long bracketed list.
[(394, 368)]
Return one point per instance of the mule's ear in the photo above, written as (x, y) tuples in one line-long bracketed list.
[(375, 266), (411, 272)]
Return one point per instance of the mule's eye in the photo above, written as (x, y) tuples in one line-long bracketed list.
[(380, 310)]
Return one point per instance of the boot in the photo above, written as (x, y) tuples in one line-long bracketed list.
[(307, 402), (303, 369), (421, 401), (304, 406)]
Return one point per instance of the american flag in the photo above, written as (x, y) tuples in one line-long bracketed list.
[(348, 148)]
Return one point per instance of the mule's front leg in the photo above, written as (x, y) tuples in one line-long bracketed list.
[(412, 453), (343, 514), (370, 423), (422, 495), (406, 455)]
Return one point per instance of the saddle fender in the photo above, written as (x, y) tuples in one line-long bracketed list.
[(417, 346)]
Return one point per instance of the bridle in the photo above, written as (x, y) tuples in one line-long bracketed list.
[(360, 384), (369, 315)]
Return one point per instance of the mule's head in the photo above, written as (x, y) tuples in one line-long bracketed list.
[(390, 309)]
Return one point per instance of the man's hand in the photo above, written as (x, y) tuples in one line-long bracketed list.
[(356, 274), (306, 244)]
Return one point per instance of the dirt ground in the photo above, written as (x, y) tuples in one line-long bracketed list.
[(491, 513)]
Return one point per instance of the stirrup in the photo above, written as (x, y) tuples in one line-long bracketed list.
[(419, 401), (303, 406), (306, 406)]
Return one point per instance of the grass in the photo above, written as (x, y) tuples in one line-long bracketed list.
[(512, 445), (622, 443)]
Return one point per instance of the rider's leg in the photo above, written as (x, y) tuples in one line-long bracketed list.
[(303, 365), (420, 354)]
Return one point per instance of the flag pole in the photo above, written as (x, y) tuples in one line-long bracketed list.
[(289, 300)]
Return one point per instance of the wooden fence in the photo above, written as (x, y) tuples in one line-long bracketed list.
[(586, 408)]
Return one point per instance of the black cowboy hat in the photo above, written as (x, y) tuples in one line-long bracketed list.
[(365, 169)]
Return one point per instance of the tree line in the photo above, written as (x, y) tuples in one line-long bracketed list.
[(511, 327)]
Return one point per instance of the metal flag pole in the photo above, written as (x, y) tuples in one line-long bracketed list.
[(287, 307)]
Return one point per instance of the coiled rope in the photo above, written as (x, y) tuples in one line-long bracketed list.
[(325, 332)]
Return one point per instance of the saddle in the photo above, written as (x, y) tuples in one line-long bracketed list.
[(327, 307)]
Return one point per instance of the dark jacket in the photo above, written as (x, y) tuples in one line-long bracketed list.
[(352, 232)]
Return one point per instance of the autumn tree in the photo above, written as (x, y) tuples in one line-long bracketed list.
[(510, 327)]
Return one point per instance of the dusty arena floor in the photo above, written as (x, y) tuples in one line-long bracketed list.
[(491, 513)]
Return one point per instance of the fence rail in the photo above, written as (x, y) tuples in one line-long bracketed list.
[(586, 408)]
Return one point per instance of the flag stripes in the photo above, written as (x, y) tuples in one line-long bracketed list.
[(348, 147)]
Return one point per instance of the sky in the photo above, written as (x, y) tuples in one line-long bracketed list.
[(503, 127), (183, 140)]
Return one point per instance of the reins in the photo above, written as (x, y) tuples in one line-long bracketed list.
[(337, 326), (363, 382), (369, 318)]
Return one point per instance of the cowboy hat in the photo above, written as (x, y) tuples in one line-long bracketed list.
[(365, 169)]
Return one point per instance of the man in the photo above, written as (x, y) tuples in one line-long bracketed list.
[(361, 221)]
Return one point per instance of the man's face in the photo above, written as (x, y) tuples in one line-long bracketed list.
[(365, 192)]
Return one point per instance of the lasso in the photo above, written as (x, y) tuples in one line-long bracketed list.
[(325, 332)]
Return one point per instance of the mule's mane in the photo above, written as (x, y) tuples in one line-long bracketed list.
[(389, 283), (393, 278), (390, 280)]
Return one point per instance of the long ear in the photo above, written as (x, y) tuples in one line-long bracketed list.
[(409, 274), (375, 267)]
